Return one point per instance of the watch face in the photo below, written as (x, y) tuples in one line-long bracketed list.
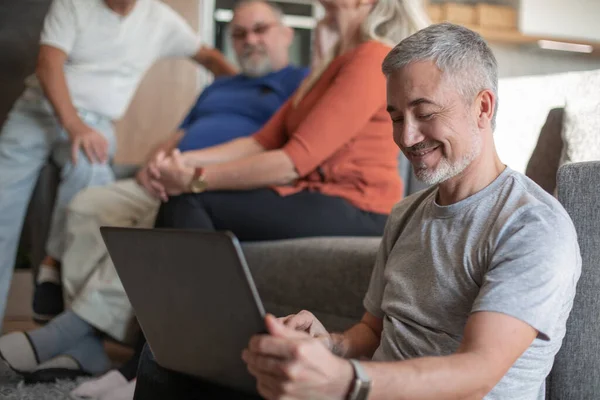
[(198, 186)]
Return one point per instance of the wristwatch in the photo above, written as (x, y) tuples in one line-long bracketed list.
[(362, 383), (198, 183)]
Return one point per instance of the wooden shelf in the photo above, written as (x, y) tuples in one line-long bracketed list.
[(507, 36), (497, 24)]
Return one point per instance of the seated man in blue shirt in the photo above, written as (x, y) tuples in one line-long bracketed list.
[(229, 108)]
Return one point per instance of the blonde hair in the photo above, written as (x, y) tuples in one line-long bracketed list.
[(391, 21), (388, 22)]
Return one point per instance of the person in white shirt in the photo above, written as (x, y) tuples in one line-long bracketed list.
[(92, 57)]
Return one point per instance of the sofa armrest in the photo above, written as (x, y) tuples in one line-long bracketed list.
[(327, 276), (576, 371), (125, 171)]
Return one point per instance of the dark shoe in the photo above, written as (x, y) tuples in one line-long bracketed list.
[(47, 302), (51, 375), (62, 367)]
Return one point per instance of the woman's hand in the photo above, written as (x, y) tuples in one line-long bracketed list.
[(170, 174)]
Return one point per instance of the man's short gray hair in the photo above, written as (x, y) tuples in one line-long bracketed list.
[(461, 54), (273, 6)]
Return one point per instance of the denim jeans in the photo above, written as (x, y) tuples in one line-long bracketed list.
[(30, 137), (157, 383)]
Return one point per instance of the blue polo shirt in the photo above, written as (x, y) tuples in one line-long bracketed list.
[(237, 106)]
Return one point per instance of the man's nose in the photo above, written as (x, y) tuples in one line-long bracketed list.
[(252, 38), (409, 135)]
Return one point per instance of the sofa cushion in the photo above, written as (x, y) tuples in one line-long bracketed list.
[(327, 276), (581, 130), (576, 371)]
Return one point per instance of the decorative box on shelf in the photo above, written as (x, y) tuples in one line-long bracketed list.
[(500, 24), (487, 16)]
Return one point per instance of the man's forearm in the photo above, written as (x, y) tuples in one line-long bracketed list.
[(215, 62), (459, 376), (50, 73), (360, 341)]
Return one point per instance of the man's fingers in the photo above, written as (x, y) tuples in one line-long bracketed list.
[(75, 151), (99, 151), (146, 183), (274, 346), (159, 190), (278, 329), (160, 156), (156, 186), (271, 369), (154, 171), (88, 149), (300, 322), (101, 147)]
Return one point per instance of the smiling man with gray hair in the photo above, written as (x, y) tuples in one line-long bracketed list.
[(475, 277)]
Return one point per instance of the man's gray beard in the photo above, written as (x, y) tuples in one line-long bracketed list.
[(445, 169), (256, 69)]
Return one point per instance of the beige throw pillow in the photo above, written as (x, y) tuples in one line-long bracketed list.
[(581, 130)]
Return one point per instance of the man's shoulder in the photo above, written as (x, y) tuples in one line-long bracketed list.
[(406, 207), (297, 73), (157, 11), (525, 200), (535, 222), (289, 78), (81, 10)]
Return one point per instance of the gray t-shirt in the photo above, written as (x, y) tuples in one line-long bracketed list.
[(510, 248)]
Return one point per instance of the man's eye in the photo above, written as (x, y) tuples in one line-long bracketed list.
[(398, 120), (425, 117), (260, 29)]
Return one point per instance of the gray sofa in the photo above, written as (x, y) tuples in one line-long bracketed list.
[(329, 276)]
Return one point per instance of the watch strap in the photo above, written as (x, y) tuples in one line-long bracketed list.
[(362, 383)]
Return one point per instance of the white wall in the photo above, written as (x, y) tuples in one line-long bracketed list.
[(575, 19), (531, 60)]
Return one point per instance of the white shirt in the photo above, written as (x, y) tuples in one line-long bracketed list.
[(108, 54)]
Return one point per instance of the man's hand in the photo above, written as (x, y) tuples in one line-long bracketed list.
[(93, 144), (144, 179), (305, 321), (170, 175), (292, 364)]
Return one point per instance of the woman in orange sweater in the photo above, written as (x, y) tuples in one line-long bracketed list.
[(324, 165)]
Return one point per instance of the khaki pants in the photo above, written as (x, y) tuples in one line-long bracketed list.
[(90, 282)]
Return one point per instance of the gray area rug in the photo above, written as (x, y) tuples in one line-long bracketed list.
[(12, 387)]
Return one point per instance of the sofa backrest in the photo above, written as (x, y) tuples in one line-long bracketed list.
[(545, 159), (576, 371), (524, 103), (328, 276)]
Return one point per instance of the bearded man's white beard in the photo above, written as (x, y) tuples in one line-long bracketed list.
[(445, 169), (255, 68)]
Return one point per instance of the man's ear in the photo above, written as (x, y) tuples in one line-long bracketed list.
[(289, 35), (485, 107)]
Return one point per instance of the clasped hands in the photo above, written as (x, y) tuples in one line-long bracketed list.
[(294, 360), (166, 174)]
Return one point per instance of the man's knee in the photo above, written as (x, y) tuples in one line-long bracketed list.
[(89, 201), (86, 174)]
